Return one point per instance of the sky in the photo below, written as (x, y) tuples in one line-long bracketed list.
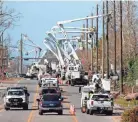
[(39, 17)]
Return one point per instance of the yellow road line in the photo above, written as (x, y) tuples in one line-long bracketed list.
[(68, 105), (34, 103)]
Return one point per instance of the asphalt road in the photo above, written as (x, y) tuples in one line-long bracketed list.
[(71, 98)]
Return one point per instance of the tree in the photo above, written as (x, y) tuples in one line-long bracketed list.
[(8, 18), (130, 29)]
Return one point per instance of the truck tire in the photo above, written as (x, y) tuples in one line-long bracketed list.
[(6, 108), (87, 111), (60, 112), (109, 113), (40, 112), (72, 83), (25, 107), (90, 112)]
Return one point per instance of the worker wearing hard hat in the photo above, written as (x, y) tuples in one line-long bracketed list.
[(90, 93)]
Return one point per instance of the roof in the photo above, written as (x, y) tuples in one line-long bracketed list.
[(17, 87), (51, 94)]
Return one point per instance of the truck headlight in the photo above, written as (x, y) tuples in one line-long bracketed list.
[(23, 99), (7, 100)]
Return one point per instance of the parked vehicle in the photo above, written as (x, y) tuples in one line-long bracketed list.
[(100, 103)]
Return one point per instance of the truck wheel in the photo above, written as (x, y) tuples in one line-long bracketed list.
[(109, 113), (6, 108), (90, 112), (25, 107), (87, 111), (40, 112), (60, 112), (72, 84)]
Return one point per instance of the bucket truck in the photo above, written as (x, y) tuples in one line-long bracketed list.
[(74, 69)]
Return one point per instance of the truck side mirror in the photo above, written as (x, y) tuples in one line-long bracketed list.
[(38, 100), (61, 99), (112, 99), (86, 98)]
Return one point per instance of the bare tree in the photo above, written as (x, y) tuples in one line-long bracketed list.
[(8, 17)]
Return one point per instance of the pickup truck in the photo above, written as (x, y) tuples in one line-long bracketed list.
[(16, 98), (100, 103), (50, 103)]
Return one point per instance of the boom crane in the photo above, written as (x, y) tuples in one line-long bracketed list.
[(60, 24)]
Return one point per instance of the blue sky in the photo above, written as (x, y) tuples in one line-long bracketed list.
[(39, 17)]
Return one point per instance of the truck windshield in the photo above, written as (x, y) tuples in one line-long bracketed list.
[(50, 98), (100, 97), (45, 91), (19, 93)]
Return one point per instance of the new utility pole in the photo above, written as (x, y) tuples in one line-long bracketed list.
[(121, 53), (114, 38), (103, 43), (107, 41), (21, 54), (92, 47), (87, 40), (97, 40)]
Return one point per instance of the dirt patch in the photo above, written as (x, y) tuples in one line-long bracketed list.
[(117, 118)]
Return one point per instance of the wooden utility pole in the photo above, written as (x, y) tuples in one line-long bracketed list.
[(21, 54), (114, 38), (2, 52), (103, 44), (87, 40), (92, 47), (107, 41), (97, 39), (121, 52)]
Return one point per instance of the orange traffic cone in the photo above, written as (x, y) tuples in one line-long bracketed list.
[(73, 110), (70, 109)]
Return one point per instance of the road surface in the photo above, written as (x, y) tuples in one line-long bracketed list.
[(71, 98)]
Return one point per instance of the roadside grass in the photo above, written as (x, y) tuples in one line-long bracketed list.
[(123, 103)]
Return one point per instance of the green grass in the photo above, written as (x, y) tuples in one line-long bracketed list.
[(122, 102)]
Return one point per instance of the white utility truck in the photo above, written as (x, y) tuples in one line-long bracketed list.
[(84, 97), (100, 103), (50, 82)]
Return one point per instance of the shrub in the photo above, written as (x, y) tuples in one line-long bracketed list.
[(130, 115)]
